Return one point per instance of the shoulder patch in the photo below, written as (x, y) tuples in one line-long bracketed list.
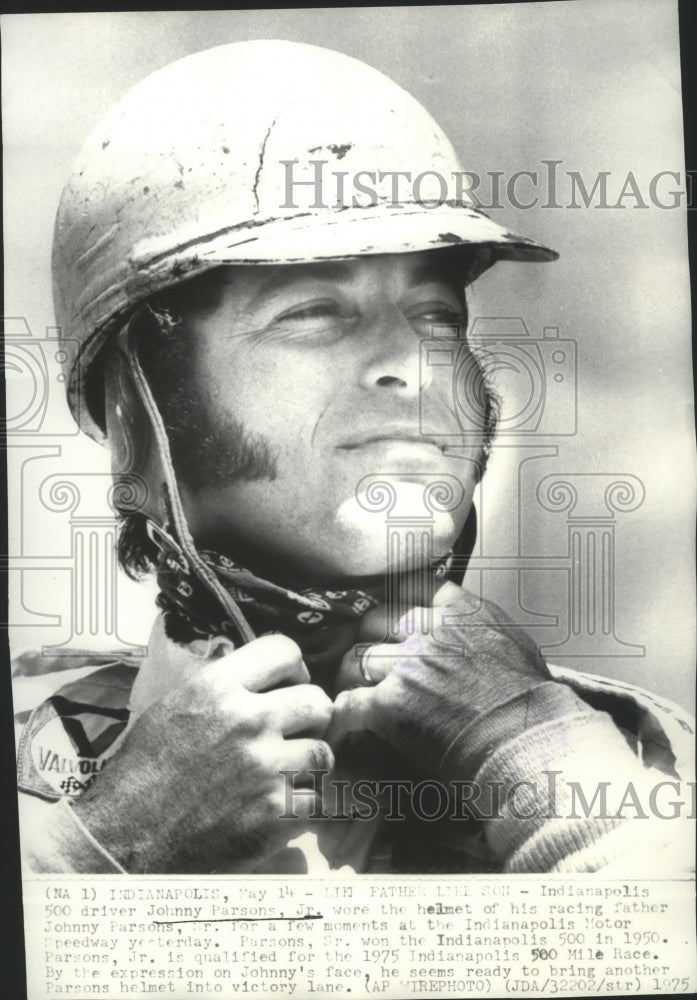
[(70, 737)]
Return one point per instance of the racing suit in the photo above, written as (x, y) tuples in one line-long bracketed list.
[(625, 748)]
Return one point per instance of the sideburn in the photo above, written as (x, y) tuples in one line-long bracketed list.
[(208, 449)]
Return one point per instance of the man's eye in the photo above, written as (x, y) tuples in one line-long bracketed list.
[(433, 314), (321, 322), (455, 315), (314, 310)]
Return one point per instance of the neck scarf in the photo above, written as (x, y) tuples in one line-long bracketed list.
[(192, 612)]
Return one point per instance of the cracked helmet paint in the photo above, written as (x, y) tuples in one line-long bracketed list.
[(260, 151)]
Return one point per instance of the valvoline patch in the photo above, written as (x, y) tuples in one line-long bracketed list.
[(71, 736)]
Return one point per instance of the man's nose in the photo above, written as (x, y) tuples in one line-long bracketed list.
[(393, 358)]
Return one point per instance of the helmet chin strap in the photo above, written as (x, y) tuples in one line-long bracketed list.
[(146, 482), (144, 476)]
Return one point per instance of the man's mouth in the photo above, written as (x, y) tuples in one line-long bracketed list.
[(390, 436)]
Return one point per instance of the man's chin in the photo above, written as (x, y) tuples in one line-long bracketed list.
[(389, 529)]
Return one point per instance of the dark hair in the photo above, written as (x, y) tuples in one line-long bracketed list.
[(135, 550)]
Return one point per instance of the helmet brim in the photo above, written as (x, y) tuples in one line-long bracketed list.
[(345, 233)]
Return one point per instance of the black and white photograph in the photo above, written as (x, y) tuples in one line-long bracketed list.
[(351, 479)]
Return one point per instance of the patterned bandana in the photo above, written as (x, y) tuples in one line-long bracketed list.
[(192, 612)]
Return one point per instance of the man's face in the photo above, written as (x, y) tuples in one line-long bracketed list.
[(314, 373)]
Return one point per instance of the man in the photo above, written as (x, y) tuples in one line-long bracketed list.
[(246, 264)]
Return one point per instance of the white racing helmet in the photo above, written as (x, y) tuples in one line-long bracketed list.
[(258, 151)]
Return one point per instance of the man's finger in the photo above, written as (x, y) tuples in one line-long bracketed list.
[(304, 708), (448, 593), (365, 666), (301, 756), (381, 624), (353, 711), (265, 663)]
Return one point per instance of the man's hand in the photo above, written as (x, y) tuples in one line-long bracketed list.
[(420, 693), (195, 785)]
